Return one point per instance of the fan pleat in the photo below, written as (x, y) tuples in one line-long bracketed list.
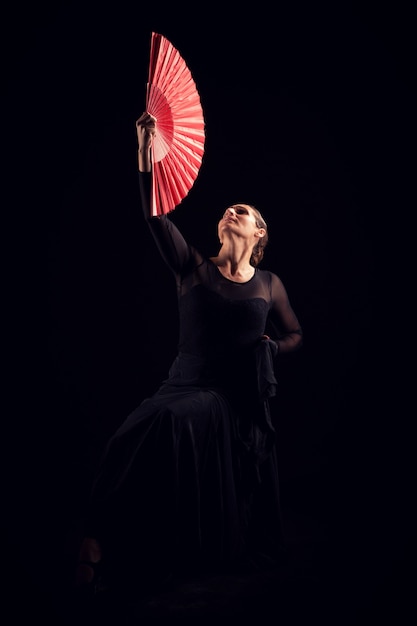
[(178, 148)]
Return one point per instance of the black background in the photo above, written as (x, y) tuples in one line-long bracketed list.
[(309, 114)]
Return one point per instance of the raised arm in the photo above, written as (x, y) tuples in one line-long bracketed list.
[(171, 244)]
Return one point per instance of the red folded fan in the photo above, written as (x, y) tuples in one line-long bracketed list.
[(178, 147)]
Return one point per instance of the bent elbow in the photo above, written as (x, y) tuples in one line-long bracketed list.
[(298, 339)]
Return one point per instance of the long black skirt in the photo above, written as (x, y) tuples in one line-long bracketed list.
[(176, 493)]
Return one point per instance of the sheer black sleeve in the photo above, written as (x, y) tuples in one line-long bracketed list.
[(173, 248), (288, 332)]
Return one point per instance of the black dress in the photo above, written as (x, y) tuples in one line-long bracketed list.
[(189, 482)]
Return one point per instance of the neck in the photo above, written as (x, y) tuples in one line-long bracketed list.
[(234, 263)]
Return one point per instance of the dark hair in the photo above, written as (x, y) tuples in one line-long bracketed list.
[(258, 249)]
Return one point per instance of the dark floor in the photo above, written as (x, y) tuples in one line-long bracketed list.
[(320, 583)]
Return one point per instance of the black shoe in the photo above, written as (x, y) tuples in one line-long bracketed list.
[(93, 586)]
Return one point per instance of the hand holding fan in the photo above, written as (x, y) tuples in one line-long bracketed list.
[(178, 147)]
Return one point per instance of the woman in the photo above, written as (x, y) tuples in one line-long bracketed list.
[(188, 483)]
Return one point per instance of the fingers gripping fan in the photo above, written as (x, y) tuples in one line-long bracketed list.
[(178, 147)]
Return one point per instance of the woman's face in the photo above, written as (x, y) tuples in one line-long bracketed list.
[(239, 219)]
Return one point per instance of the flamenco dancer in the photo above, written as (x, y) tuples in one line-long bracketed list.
[(188, 484)]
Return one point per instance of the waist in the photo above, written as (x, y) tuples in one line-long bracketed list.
[(224, 372)]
